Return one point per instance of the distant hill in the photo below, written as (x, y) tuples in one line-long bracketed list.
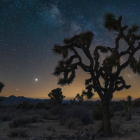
[(17, 100)]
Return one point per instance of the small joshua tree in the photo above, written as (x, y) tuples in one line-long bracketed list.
[(72, 101), (112, 80), (128, 108), (56, 96), (80, 98)]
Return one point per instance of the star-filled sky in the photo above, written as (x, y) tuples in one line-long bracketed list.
[(30, 28)]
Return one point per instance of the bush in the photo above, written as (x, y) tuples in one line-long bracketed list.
[(136, 103), (73, 123), (79, 112), (20, 122), (45, 115), (97, 113), (25, 105), (13, 133), (34, 119), (41, 105), (55, 110), (50, 128), (22, 132), (5, 117)]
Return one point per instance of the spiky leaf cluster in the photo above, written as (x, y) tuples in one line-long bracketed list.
[(134, 28), (88, 94), (1, 86), (79, 97), (135, 66), (112, 60), (57, 71), (57, 49), (70, 40), (86, 38), (62, 81), (65, 52), (110, 22), (104, 49)]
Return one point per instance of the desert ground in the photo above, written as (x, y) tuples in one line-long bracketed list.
[(60, 123)]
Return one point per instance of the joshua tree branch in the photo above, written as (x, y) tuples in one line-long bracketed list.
[(120, 82)]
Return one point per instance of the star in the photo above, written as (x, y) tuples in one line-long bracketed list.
[(36, 79)]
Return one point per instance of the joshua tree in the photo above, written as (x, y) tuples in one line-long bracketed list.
[(88, 95), (56, 96), (128, 108), (112, 81), (72, 101), (80, 98), (1, 87)]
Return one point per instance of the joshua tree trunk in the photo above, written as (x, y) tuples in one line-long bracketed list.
[(106, 124), (128, 114)]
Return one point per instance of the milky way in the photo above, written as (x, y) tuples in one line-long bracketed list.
[(30, 28)]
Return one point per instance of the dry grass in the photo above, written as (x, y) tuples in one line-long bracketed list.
[(53, 126), (18, 132)]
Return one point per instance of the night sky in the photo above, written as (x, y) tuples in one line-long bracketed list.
[(30, 28)]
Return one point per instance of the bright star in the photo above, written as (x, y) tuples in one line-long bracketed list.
[(36, 79)]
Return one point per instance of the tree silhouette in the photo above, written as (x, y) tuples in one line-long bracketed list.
[(1, 87), (112, 81), (80, 98), (128, 108), (88, 95), (56, 96)]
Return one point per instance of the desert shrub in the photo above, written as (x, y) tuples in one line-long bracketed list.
[(34, 119), (31, 106), (79, 112), (45, 115), (118, 106), (41, 105), (97, 113), (20, 122), (115, 126), (123, 113), (65, 104), (24, 105), (136, 103), (13, 133), (6, 117), (47, 107), (55, 111), (50, 128), (73, 123), (22, 132)]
